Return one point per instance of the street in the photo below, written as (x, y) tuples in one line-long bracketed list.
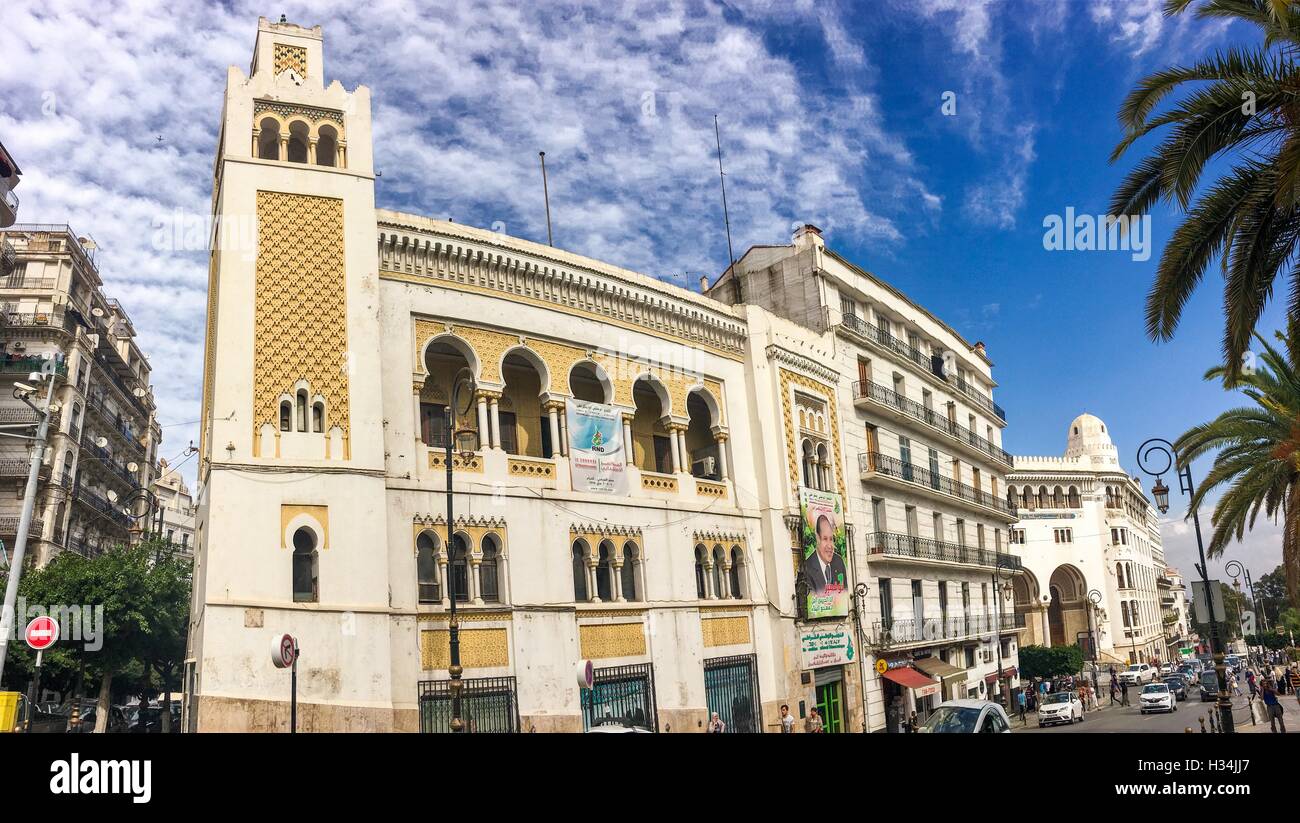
[(1129, 719)]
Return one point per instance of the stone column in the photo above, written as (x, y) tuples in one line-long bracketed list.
[(416, 388), (475, 595), (343, 154), (445, 577), (675, 450), (284, 147), (721, 440), (564, 434), (552, 415), (593, 592), (311, 150), (484, 429), (257, 134), (494, 418), (686, 455), (709, 593), (616, 584), (726, 581), (628, 449)]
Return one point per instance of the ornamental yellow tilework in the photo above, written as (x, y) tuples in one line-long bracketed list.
[(603, 640), (289, 57), (790, 380), (300, 329), (479, 649), (725, 631)]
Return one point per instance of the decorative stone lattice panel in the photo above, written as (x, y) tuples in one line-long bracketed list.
[(479, 648), (789, 381), (297, 111), (611, 640), (725, 631), (300, 330), (285, 56)]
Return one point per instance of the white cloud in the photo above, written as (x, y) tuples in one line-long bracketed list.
[(465, 94)]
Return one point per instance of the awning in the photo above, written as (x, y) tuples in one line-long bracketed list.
[(1007, 673), (912, 679), (937, 667)]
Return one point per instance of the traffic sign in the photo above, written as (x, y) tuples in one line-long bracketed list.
[(284, 650), (882, 665), (586, 674), (42, 633)]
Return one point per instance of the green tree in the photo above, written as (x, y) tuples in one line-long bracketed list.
[(1257, 454), (1271, 591), (1236, 108), (1050, 661)]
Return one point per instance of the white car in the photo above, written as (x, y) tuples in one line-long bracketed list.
[(967, 717), (1166, 668), (1060, 707), (1156, 697), (1137, 674)]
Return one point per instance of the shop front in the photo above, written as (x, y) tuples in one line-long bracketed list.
[(952, 678), (905, 690), (827, 652)]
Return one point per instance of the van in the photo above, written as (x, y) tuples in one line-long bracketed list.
[(1209, 686)]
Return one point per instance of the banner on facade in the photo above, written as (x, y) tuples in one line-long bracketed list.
[(597, 462), (826, 646), (825, 553)]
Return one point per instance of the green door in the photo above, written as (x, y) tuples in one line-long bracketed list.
[(828, 705)]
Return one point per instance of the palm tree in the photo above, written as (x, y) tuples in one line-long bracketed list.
[(1258, 455), (1242, 107)]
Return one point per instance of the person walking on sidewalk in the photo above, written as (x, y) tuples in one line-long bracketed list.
[(1123, 690), (1274, 708), (1114, 691), (1020, 704)]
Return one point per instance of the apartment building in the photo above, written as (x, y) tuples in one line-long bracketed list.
[(174, 510), (103, 439)]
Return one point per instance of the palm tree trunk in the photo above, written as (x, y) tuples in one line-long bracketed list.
[(1291, 545)]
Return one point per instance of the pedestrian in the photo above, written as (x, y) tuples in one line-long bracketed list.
[(813, 725), (1250, 681), (1274, 708), (1114, 691), (913, 725), (1020, 702), (716, 726), (1123, 688), (787, 720), (1236, 685)]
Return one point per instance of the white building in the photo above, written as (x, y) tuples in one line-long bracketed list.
[(335, 347), (1091, 545), (175, 512)]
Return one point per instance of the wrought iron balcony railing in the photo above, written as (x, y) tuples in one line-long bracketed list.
[(887, 466), (888, 397), (884, 633), (924, 548)]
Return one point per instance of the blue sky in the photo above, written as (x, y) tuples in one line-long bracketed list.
[(830, 113)]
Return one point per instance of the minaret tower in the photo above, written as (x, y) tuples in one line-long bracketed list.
[(291, 532)]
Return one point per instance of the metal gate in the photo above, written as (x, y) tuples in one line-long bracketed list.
[(623, 695), (487, 704), (731, 690)]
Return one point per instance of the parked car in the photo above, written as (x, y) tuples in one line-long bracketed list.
[(1156, 697), (603, 728), (1177, 685), (1166, 668), (1137, 674), (967, 717), (148, 720), (118, 720), (1060, 707), (1209, 686), (45, 719), (1189, 673)]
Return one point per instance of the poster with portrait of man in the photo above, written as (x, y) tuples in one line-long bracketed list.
[(825, 553)]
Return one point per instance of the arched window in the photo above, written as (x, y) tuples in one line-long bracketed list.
[(719, 559), (809, 469), (700, 555), (1074, 497), (297, 142), (1042, 497), (286, 416), (736, 561), (488, 572), (318, 417), (627, 574), (1119, 575), (1011, 497), (306, 584), (426, 568), (1026, 498), (458, 575), (302, 410), (268, 140), (605, 572), (580, 572), (823, 468), (1058, 497), (327, 146), (1123, 607)]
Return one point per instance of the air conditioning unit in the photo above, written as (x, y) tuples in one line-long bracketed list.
[(704, 467), (988, 656), (20, 346)]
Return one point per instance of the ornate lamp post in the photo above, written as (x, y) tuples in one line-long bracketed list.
[(1094, 598), (467, 440), (1242, 571), (1149, 454), (1004, 570)]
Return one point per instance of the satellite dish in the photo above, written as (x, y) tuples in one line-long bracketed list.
[(139, 392), (101, 441), (133, 466), (112, 496), (97, 312)]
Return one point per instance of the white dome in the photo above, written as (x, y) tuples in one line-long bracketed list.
[(1088, 435)]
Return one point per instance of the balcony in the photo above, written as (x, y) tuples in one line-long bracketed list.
[(114, 421), (911, 632), (9, 526), (874, 465), (8, 204), (106, 463), (109, 369), (7, 257), (27, 365), (890, 544), (19, 414), (110, 513), (878, 338), (20, 466), (900, 405)]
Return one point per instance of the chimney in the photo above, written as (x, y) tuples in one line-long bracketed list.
[(704, 283), (979, 349), (808, 235)]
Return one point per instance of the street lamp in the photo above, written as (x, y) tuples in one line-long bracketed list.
[(467, 440), (1156, 448), (1095, 598), (1242, 571), (1005, 570)]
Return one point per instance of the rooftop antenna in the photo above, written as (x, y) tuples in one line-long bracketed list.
[(550, 241), (726, 218)]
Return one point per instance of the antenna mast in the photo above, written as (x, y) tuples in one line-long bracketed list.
[(722, 177), (550, 241)]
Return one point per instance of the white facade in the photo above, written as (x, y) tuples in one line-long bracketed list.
[(1091, 544), (175, 514)]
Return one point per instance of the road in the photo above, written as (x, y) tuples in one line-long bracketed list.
[(1130, 719)]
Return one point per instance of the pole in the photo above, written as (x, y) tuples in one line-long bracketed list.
[(24, 523), (34, 691), (1216, 647), (726, 218), (546, 193), (453, 624), (997, 640), (293, 691)]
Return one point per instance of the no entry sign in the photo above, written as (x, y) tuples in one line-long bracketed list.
[(284, 649), (42, 633)]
